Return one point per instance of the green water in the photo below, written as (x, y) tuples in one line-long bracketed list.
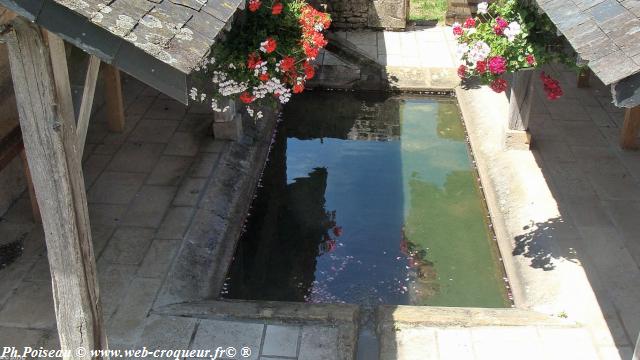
[(369, 199)]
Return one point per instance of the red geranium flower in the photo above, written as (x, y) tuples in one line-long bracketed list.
[(319, 40), (481, 67), (497, 65), (499, 85), (253, 61), (247, 98), (268, 46), (462, 71), (309, 70), (531, 60), (276, 9), (264, 77), (288, 63), (469, 23), (457, 30), (298, 88), (501, 24), (254, 5), (310, 50)]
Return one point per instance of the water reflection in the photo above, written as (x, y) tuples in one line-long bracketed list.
[(368, 200)]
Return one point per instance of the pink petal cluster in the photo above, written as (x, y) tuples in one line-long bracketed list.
[(501, 24), (497, 65)]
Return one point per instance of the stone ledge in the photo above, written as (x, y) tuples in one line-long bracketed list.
[(392, 315)]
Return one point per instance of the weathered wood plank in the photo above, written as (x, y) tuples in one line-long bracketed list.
[(61, 76), (630, 128), (87, 101), (113, 98), (35, 209), (520, 100), (51, 147)]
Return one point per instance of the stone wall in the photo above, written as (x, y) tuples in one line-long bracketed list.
[(364, 14)]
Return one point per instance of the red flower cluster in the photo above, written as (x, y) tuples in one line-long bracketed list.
[(501, 24), (481, 67), (457, 30), (247, 98), (551, 86), (462, 71), (313, 22), (499, 85), (469, 23), (309, 70), (276, 9), (268, 46), (497, 65), (254, 5), (531, 60), (253, 60)]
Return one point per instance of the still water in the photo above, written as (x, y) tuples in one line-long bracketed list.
[(369, 199)]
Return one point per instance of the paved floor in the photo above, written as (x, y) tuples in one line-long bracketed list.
[(570, 208)]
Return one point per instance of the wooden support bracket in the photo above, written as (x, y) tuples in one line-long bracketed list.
[(87, 101)]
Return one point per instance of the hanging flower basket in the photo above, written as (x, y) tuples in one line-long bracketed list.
[(507, 37), (265, 58)]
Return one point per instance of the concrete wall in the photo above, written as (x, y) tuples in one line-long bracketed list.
[(364, 14)]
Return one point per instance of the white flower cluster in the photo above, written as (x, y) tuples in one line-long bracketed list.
[(193, 93), (483, 7), (462, 49), (251, 112), (479, 52), (227, 86), (216, 108), (512, 31), (263, 46), (273, 86), (261, 68)]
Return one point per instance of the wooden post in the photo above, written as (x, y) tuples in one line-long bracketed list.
[(520, 101), (629, 133), (113, 98), (51, 147)]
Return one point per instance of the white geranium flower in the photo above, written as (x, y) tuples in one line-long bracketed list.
[(479, 52), (512, 31), (462, 49), (483, 7)]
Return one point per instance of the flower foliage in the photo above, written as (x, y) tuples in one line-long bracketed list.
[(266, 57), (506, 37)]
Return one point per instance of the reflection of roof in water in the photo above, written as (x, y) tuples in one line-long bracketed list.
[(351, 117)]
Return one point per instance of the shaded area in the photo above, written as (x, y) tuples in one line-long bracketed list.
[(369, 199)]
